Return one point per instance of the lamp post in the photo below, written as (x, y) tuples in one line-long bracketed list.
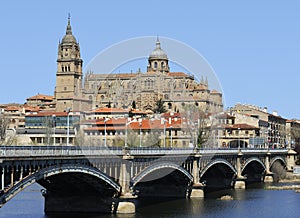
[(239, 146), (54, 124), (164, 133), (68, 125), (171, 137), (140, 124), (105, 132), (197, 132)]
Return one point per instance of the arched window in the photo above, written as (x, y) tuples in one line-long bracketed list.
[(155, 65), (69, 68), (170, 105), (62, 69), (162, 64)]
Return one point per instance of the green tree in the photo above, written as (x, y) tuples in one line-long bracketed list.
[(152, 140), (159, 107), (197, 125), (3, 128)]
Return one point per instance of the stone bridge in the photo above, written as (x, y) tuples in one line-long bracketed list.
[(107, 179)]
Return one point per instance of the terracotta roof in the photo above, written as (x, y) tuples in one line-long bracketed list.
[(49, 113), (109, 110), (214, 92), (178, 74), (200, 87), (41, 97), (136, 111), (146, 124), (243, 126), (170, 114), (12, 108)]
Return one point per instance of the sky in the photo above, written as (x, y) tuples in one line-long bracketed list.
[(253, 47)]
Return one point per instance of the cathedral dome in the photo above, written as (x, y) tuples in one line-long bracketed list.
[(158, 53), (69, 38)]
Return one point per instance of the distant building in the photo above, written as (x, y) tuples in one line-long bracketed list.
[(293, 133), (122, 90), (50, 128), (44, 102), (273, 125)]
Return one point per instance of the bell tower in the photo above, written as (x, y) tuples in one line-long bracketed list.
[(69, 72), (158, 60)]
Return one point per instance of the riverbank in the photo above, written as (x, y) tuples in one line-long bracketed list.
[(291, 182)]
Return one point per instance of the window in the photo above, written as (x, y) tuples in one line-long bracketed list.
[(155, 64), (162, 64)]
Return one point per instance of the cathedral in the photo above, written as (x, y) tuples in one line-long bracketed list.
[(139, 90)]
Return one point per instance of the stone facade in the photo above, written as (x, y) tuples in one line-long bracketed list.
[(122, 90)]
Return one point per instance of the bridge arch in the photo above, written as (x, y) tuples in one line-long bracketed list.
[(218, 174), (157, 166), (56, 170), (215, 162), (251, 160), (253, 170), (276, 159), (278, 168)]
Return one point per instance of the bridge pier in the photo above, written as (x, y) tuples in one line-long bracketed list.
[(240, 181), (197, 188), (124, 205), (268, 174), (290, 159)]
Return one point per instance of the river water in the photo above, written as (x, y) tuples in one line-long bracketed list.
[(253, 202)]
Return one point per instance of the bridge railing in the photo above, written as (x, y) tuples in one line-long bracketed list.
[(37, 151)]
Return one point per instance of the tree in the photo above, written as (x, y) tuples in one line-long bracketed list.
[(3, 129), (152, 140), (159, 107), (132, 138), (6, 137), (198, 125), (48, 130)]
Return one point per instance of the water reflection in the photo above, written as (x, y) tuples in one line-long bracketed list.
[(256, 201)]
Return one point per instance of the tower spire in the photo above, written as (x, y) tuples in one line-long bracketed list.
[(157, 43), (69, 29)]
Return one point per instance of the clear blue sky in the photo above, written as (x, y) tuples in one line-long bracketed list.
[(253, 47)]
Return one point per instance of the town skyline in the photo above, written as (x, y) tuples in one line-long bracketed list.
[(267, 55)]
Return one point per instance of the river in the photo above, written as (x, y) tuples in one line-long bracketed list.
[(253, 202)]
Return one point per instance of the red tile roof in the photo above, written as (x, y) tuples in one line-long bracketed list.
[(40, 97), (109, 110), (178, 74), (120, 124), (50, 113)]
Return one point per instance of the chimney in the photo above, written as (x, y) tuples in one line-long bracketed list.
[(265, 109), (275, 113)]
